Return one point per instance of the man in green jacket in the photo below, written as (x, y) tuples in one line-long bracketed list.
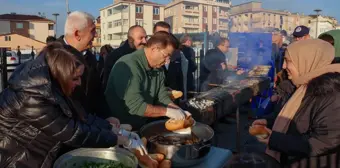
[(135, 91)]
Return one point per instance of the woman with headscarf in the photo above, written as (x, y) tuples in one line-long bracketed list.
[(306, 133), (38, 117), (333, 37)]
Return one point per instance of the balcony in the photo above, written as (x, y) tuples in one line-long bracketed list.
[(223, 16), (118, 29), (256, 19), (190, 25), (223, 26), (191, 12)]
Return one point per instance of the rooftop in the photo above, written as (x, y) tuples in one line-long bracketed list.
[(21, 17), (143, 2), (8, 34)]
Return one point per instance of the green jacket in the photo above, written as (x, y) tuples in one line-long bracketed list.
[(132, 85), (336, 36)]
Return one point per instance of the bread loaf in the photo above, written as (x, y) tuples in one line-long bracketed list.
[(175, 94), (146, 160), (173, 125), (145, 141), (158, 157), (259, 131)]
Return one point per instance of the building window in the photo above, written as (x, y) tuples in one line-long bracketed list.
[(109, 12), (139, 9), (31, 26), (116, 23), (109, 37), (154, 22), (215, 9), (156, 11), (125, 22), (214, 21), (139, 22), (205, 8), (8, 38), (109, 25), (19, 25), (50, 26), (205, 20)]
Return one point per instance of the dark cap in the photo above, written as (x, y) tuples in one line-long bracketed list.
[(300, 31)]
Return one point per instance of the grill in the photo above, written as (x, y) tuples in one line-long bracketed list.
[(222, 99)]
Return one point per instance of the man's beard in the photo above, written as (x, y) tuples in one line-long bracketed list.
[(140, 46)]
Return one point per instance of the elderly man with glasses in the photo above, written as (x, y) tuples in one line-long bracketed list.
[(135, 90)]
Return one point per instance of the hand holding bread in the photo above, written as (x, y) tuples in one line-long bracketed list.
[(260, 130), (173, 125)]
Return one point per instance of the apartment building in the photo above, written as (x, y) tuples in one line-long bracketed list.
[(96, 44), (320, 24), (118, 17), (11, 41), (194, 16), (251, 17), (31, 26)]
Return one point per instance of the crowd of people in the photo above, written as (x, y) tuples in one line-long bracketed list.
[(66, 98)]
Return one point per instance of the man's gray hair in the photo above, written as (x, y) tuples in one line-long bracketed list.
[(185, 38), (77, 20)]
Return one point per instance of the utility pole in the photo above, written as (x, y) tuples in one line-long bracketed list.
[(67, 8), (56, 23), (122, 22), (317, 21)]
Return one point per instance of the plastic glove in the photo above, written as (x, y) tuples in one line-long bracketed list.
[(129, 134), (114, 121), (187, 114), (177, 114), (137, 145)]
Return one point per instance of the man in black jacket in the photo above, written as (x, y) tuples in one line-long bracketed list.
[(214, 65), (80, 31), (136, 40), (189, 53)]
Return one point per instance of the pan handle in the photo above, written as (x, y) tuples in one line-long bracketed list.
[(201, 147)]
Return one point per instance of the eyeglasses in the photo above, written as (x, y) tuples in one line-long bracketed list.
[(165, 55)]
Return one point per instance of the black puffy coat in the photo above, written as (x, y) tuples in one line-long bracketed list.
[(36, 119), (313, 136)]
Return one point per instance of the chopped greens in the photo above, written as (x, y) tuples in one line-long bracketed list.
[(111, 164)]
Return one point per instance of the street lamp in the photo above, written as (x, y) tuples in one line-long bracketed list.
[(67, 8), (56, 23), (317, 21)]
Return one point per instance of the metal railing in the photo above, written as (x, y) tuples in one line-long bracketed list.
[(6, 68)]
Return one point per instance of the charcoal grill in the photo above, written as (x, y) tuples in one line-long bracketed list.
[(215, 103)]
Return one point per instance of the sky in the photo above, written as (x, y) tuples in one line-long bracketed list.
[(329, 7)]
